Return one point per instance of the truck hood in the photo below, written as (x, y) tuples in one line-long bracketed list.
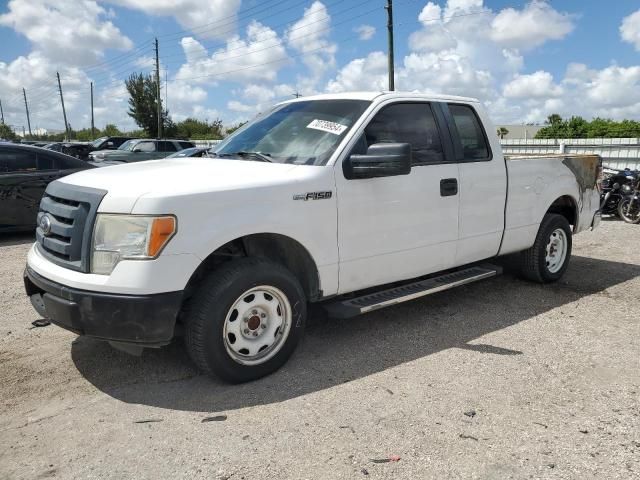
[(179, 176)]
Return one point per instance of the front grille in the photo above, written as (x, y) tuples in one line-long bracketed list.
[(71, 212)]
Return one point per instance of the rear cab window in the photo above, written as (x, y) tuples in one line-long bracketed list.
[(473, 144)]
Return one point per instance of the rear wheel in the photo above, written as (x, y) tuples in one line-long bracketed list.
[(548, 258), (629, 212), (245, 320)]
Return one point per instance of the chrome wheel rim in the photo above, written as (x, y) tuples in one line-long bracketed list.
[(257, 325), (556, 250), (628, 212)]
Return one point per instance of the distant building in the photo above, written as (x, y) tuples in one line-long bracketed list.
[(520, 131)]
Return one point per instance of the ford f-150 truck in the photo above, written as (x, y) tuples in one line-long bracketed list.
[(358, 201)]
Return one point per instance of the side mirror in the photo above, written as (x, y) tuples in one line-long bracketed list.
[(109, 145), (381, 160), (136, 150)]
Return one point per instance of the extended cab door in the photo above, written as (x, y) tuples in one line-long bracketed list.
[(400, 227), (482, 182)]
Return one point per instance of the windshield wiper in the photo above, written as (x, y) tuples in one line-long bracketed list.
[(263, 157)]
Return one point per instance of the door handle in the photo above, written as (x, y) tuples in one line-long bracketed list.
[(448, 187)]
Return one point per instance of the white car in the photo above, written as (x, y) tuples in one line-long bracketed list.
[(355, 200)]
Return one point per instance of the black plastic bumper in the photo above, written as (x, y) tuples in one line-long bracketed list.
[(145, 320)]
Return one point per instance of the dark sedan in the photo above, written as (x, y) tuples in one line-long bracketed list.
[(25, 172)]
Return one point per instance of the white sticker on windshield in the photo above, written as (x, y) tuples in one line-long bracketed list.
[(327, 126)]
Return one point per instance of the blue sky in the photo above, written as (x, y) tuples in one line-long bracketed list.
[(524, 60)]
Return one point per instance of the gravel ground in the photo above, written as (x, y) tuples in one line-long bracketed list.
[(501, 379)]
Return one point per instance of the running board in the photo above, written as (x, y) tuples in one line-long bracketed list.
[(403, 293)]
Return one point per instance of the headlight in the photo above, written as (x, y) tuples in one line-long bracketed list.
[(97, 156), (626, 188), (120, 237)]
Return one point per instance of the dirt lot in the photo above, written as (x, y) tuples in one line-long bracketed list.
[(502, 379)]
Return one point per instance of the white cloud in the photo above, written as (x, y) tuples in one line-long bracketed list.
[(365, 32), (310, 37), (529, 28), (65, 31), (630, 29), (258, 57), (536, 85), (208, 19), (369, 73), (467, 49)]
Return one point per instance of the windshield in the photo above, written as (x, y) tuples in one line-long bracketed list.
[(305, 132), (96, 143)]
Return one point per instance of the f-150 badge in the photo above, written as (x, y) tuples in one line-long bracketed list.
[(312, 196)]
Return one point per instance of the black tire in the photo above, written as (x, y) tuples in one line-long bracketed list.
[(623, 212), (533, 265), (206, 313)]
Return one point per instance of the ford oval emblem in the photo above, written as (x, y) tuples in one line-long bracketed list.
[(45, 224)]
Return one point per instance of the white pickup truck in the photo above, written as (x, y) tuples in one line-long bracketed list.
[(357, 201)]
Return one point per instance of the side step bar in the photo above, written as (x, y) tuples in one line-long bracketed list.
[(403, 293)]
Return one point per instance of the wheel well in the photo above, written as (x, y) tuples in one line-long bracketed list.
[(275, 247), (565, 206)]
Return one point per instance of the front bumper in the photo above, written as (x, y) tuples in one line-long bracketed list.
[(145, 320)]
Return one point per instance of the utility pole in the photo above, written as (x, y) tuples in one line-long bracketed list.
[(64, 112), (24, 92), (93, 130), (1, 112), (389, 8), (158, 92), (297, 95)]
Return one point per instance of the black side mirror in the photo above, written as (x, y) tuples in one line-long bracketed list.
[(381, 160)]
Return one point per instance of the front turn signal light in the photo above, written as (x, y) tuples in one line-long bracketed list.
[(162, 229)]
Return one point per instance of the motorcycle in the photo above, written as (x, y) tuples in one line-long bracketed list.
[(629, 206), (613, 190)]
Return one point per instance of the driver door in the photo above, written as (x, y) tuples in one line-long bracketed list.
[(400, 227)]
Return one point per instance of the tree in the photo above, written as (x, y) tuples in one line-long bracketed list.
[(554, 119), (502, 131), (199, 130), (6, 133), (233, 128), (110, 130), (143, 107)]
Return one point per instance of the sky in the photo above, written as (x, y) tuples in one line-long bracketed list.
[(231, 59)]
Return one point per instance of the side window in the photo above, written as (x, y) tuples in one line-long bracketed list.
[(167, 147), (17, 161), (472, 137), (412, 123), (184, 145), (146, 146), (47, 162)]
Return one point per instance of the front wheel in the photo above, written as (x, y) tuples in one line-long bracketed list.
[(245, 320), (629, 210), (548, 258)]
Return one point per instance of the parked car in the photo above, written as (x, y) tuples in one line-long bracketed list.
[(191, 152), (25, 172), (356, 200), (140, 149), (108, 143), (76, 149)]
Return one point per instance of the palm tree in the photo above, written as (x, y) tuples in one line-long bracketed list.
[(502, 131)]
